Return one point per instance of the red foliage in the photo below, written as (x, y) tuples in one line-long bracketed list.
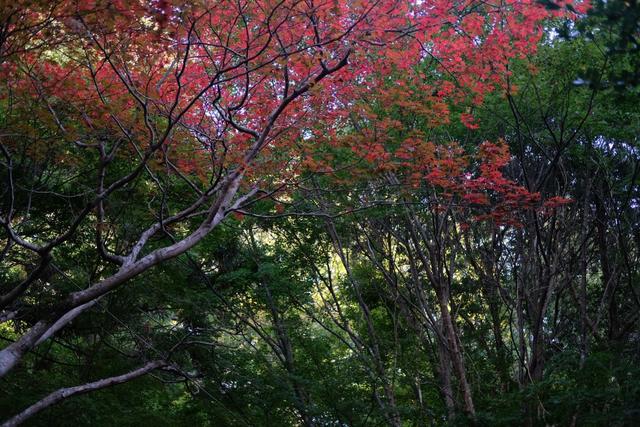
[(203, 79)]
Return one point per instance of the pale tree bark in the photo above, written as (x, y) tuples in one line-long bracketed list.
[(225, 203), (213, 204), (65, 393)]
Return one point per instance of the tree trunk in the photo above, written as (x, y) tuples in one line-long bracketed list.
[(444, 371), (455, 352)]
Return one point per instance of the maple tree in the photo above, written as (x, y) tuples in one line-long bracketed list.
[(215, 105), (428, 193)]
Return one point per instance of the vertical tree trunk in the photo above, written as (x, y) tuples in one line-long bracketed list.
[(444, 371), (453, 345)]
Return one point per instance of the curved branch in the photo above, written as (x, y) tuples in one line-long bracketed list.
[(65, 393)]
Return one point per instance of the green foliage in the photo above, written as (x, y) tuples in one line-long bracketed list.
[(278, 319)]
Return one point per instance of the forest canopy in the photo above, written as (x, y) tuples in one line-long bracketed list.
[(319, 212)]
